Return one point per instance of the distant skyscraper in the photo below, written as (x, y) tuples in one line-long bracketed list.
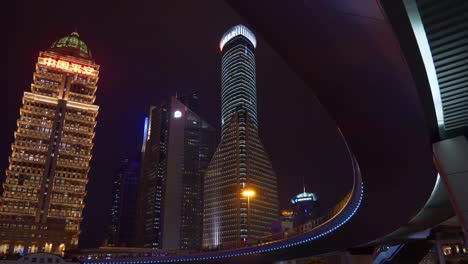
[(305, 206), (177, 150), (124, 204), (240, 160), (42, 201)]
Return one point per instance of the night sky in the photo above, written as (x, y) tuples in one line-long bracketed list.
[(150, 50)]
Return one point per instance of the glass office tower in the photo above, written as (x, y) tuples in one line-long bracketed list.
[(177, 149), (240, 161)]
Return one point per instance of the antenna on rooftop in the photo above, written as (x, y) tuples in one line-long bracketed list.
[(303, 183), (76, 32)]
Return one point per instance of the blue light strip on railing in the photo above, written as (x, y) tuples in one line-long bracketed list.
[(246, 251)]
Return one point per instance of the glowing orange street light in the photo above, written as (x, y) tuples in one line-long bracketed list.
[(248, 193)]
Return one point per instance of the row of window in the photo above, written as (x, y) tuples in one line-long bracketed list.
[(27, 210)]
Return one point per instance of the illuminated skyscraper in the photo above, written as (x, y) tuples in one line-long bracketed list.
[(305, 206), (240, 160), (177, 149), (42, 200)]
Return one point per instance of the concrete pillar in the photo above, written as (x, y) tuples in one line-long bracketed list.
[(440, 253), (451, 160)]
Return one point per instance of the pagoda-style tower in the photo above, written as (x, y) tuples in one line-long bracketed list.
[(42, 201)]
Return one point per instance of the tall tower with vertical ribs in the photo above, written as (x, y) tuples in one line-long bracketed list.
[(240, 161), (42, 201)]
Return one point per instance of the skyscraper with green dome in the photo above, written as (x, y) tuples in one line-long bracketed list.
[(43, 193)]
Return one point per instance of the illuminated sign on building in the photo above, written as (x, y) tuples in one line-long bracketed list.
[(68, 66), (304, 197), (145, 135)]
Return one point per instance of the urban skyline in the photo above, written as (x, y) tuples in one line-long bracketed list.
[(234, 101), (364, 101), (122, 113)]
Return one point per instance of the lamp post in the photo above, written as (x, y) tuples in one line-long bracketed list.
[(248, 193)]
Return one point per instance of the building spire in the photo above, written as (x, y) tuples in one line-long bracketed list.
[(75, 33), (303, 183)]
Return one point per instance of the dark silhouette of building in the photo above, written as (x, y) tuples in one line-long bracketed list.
[(240, 161), (176, 152), (286, 223), (124, 204)]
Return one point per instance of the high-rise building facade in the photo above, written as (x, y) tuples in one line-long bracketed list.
[(190, 100), (240, 161), (124, 204), (177, 150), (42, 201)]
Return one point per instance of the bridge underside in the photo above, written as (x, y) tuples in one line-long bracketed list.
[(348, 54)]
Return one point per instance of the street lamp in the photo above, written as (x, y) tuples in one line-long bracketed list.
[(248, 193)]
